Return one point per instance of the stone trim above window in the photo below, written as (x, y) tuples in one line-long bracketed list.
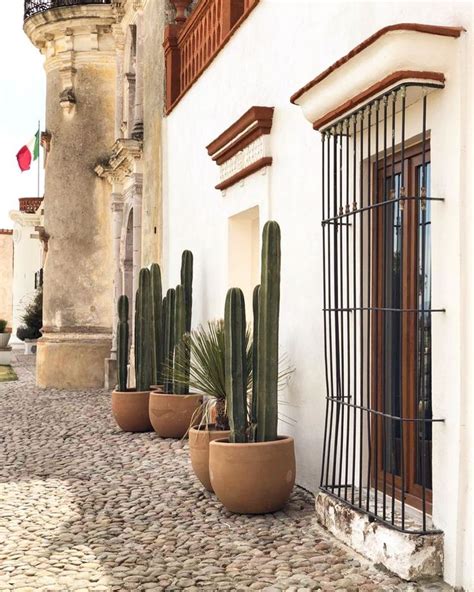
[(244, 147)]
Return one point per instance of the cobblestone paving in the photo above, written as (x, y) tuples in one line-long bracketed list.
[(84, 507)]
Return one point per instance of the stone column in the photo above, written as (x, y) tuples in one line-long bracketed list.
[(137, 131), (117, 216), (79, 52)]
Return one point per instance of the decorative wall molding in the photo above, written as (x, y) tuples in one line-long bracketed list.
[(122, 162), (244, 147), (399, 53)]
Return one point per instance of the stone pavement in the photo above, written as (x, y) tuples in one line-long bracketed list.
[(84, 506)]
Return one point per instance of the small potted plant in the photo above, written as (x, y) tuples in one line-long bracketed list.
[(130, 406), (4, 334), (175, 409), (253, 471), (30, 331)]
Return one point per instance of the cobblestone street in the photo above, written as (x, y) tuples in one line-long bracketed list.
[(84, 506)]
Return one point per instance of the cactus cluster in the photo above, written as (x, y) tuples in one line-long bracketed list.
[(266, 310), (160, 324)]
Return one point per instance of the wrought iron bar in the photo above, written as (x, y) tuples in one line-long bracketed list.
[(33, 7)]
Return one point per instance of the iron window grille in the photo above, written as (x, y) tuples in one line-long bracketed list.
[(33, 7), (373, 330)]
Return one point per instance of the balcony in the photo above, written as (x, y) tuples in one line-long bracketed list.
[(191, 44), (33, 7)]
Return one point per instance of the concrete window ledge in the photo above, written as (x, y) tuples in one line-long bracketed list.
[(410, 556)]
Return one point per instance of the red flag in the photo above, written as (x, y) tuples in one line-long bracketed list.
[(24, 158)]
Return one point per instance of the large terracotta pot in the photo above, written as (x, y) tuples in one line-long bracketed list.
[(199, 439), (254, 478), (171, 415), (130, 410)]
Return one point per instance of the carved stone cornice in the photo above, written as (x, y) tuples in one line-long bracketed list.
[(122, 162)]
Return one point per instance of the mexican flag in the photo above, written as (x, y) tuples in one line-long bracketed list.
[(29, 152)]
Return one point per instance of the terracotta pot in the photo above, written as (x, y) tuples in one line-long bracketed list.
[(171, 415), (156, 388), (199, 439), (254, 478), (130, 410)]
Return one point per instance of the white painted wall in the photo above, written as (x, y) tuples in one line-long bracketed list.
[(27, 260), (281, 46)]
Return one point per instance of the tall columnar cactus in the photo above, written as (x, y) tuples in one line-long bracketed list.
[(179, 331), (144, 333), (253, 414), (122, 343), (267, 338), (157, 312), (187, 283), (235, 364), (169, 339)]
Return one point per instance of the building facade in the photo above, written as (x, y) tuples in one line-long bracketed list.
[(28, 257), (6, 273), (223, 114)]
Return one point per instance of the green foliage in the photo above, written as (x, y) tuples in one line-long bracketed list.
[(268, 329), (180, 354), (169, 334), (122, 343), (235, 364), (187, 283), (206, 346), (143, 332), (157, 311), (32, 318), (3, 325)]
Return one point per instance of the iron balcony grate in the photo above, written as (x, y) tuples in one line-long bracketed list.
[(33, 7)]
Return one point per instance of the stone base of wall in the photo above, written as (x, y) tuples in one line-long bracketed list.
[(72, 360), (110, 379), (5, 356), (410, 556)]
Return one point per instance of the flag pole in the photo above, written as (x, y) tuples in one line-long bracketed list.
[(39, 144)]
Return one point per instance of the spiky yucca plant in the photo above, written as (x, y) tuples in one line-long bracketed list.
[(206, 344)]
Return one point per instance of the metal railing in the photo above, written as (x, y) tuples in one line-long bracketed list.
[(33, 7), (376, 226)]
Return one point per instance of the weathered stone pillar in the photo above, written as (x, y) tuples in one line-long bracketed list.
[(117, 215), (79, 52)]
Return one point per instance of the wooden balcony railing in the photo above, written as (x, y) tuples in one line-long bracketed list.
[(191, 44)]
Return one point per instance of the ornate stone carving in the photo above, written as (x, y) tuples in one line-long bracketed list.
[(121, 162)]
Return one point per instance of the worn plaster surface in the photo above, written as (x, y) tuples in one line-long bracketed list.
[(84, 506)]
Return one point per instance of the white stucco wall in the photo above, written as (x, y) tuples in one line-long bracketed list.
[(281, 46), (27, 260)]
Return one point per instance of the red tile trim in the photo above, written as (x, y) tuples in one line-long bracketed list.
[(254, 123), (421, 28), (376, 88)]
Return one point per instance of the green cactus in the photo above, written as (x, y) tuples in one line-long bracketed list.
[(157, 311), (235, 364), (267, 337), (122, 343), (144, 332), (187, 283), (179, 331), (253, 414), (169, 340)]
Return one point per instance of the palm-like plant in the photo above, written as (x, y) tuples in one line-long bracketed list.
[(207, 367), (206, 346)]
